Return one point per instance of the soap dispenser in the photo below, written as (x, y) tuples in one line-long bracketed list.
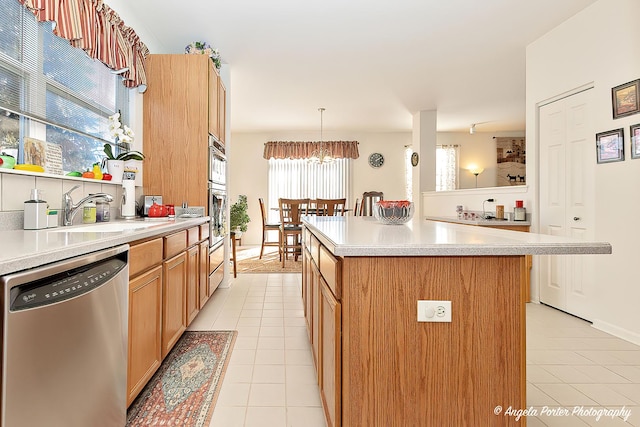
[(35, 212)]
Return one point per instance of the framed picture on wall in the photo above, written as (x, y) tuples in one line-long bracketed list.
[(625, 99), (610, 146), (635, 141)]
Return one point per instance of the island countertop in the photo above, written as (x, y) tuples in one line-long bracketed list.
[(365, 236)]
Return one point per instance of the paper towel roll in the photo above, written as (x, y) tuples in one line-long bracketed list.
[(128, 208)]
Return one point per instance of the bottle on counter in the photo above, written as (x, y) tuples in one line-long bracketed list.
[(89, 213), (35, 211), (103, 211), (519, 212), (499, 211)]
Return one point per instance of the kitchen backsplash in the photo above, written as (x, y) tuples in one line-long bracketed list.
[(16, 188)]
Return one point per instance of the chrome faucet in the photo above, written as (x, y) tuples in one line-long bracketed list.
[(69, 210)]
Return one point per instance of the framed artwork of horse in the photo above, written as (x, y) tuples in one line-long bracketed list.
[(511, 158)]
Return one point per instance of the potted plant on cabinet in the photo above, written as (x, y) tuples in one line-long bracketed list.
[(238, 216)]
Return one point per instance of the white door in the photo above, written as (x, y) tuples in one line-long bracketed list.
[(567, 162)]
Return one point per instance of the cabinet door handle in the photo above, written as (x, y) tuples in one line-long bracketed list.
[(576, 218)]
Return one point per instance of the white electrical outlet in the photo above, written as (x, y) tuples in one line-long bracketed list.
[(434, 311)]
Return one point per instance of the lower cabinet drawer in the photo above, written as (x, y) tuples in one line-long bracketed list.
[(204, 231), (193, 236), (175, 243), (330, 270), (143, 256)]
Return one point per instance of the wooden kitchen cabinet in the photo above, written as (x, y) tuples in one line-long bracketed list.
[(178, 114), (222, 110), (331, 354), (144, 353), (321, 285), (203, 271), (377, 365), (173, 301), (314, 289), (214, 124), (145, 319), (193, 275), (165, 277)]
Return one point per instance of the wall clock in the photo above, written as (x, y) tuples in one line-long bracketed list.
[(415, 159), (376, 160)]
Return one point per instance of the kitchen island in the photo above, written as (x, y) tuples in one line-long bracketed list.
[(376, 364)]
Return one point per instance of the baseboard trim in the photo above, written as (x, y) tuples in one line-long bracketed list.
[(617, 331)]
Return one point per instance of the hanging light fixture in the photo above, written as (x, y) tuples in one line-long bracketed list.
[(321, 155)]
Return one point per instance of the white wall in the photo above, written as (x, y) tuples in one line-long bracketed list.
[(248, 171), (599, 46)]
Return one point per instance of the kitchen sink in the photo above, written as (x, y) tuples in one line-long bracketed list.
[(112, 227)]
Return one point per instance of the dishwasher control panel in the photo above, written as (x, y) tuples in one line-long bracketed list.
[(66, 285)]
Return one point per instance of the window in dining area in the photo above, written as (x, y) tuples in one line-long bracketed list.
[(298, 178), (447, 165)]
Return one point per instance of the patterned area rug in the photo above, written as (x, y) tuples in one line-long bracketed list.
[(248, 261), (184, 390)]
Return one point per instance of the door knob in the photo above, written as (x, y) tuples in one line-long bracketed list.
[(576, 218)]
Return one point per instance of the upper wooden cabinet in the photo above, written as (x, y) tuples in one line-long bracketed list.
[(222, 110), (214, 125), (181, 107)]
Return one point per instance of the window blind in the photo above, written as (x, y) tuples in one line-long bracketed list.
[(298, 178), (52, 91)]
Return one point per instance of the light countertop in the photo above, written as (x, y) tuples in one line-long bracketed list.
[(364, 236), (481, 221), (23, 249)]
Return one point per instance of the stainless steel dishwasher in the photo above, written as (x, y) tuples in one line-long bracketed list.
[(64, 343)]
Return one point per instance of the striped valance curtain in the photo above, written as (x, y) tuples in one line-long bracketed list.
[(95, 28), (303, 150)]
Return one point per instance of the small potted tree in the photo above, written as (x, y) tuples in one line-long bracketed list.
[(238, 216)]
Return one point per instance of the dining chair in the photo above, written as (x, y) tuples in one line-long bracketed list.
[(357, 208), (291, 212), (369, 198), (266, 227), (330, 207)]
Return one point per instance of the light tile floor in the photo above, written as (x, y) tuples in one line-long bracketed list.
[(271, 380), (572, 366)]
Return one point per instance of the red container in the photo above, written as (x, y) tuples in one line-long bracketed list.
[(519, 204)]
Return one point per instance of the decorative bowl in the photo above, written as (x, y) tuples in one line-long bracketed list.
[(393, 211)]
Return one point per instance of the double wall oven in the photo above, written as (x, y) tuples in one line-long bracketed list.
[(217, 193)]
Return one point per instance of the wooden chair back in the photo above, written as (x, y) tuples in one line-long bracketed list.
[(292, 210), (330, 207), (263, 212), (369, 198), (357, 209)]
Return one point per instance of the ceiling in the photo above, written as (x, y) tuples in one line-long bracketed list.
[(372, 64)]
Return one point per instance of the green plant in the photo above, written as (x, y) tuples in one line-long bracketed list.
[(238, 214), (126, 155)]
